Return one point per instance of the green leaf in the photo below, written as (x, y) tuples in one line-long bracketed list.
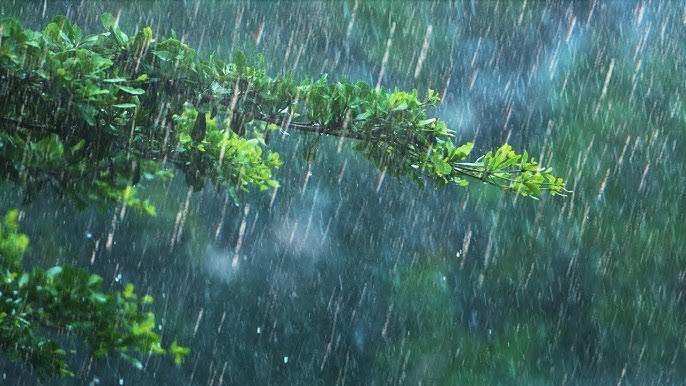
[(99, 297), (462, 152), (108, 21), (77, 147), (100, 63), (143, 328), (93, 281), (163, 55), (426, 122), (149, 208), (179, 352), (240, 60), (400, 107), (88, 113), (363, 116), (23, 280), (54, 271), (131, 90), (128, 291), (125, 105), (441, 167), (64, 25)]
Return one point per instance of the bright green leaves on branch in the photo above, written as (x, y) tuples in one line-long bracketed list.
[(110, 24), (512, 172), (179, 352), (62, 33), (12, 245), (444, 158), (146, 107), (71, 300), (227, 159), (127, 118)]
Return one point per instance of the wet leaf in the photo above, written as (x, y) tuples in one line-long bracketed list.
[(131, 90), (125, 105)]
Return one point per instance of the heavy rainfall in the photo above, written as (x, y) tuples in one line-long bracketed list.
[(341, 273)]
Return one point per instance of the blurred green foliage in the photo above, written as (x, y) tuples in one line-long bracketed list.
[(66, 302), (433, 343)]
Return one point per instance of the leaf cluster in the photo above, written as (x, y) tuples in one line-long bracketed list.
[(505, 169), (82, 115), (97, 116), (68, 301)]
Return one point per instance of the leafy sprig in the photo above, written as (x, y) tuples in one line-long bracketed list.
[(69, 300), (505, 169)]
